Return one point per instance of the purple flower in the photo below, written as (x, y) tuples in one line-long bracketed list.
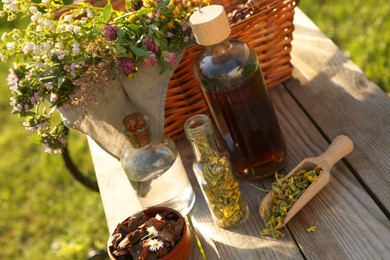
[(184, 27), (110, 32), (170, 58), (12, 101), (126, 65), (13, 81), (35, 99), (49, 85), (150, 44), (151, 60)]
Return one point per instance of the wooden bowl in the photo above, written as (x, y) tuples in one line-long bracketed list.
[(182, 248)]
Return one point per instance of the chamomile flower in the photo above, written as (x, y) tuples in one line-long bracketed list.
[(152, 231), (155, 245)]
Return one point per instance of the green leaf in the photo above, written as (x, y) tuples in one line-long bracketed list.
[(107, 12), (120, 48), (161, 43), (97, 20), (145, 11), (121, 33), (163, 4), (18, 58), (139, 52), (36, 139), (128, 4), (133, 27), (61, 80), (153, 27), (164, 66)]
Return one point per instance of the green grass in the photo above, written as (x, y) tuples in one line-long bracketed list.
[(362, 31), (45, 214)]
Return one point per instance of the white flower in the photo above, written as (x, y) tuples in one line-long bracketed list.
[(28, 48), (68, 18), (155, 244), (33, 9), (152, 231), (53, 97), (45, 1), (10, 46), (37, 50), (76, 49), (59, 45), (13, 7), (76, 29), (89, 13), (48, 23), (46, 46), (69, 28), (83, 21), (4, 36), (61, 56), (35, 17)]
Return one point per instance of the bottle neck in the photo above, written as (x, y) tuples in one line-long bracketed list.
[(140, 138), (219, 48), (200, 132)]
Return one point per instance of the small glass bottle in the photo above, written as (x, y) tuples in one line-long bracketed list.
[(214, 173), (235, 92), (154, 167)]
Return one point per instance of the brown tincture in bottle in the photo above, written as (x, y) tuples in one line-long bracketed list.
[(236, 94)]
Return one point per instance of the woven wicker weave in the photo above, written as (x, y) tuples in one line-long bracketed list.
[(266, 25)]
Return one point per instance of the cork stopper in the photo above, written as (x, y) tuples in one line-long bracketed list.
[(133, 122), (210, 25), (137, 129)]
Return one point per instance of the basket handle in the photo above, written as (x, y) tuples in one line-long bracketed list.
[(250, 7)]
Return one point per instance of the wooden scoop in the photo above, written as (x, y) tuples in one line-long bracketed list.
[(340, 147)]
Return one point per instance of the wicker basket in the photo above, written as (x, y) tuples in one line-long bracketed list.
[(266, 25)]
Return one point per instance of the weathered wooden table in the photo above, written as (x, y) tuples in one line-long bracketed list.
[(327, 96)]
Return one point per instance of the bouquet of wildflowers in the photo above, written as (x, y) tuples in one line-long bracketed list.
[(68, 54)]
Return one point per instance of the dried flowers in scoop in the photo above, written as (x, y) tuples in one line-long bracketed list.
[(285, 192)]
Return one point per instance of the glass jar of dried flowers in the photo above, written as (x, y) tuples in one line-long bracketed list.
[(215, 174)]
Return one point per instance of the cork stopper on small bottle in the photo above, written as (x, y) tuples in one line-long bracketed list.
[(137, 129), (210, 25)]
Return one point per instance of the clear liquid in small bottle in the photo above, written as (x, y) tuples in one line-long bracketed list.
[(154, 168)]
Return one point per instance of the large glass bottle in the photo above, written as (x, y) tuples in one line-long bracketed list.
[(214, 173), (154, 167), (237, 97)]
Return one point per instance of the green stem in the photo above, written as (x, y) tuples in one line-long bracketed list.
[(261, 189)]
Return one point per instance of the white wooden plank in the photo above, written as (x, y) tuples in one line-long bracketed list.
[(340, 99)]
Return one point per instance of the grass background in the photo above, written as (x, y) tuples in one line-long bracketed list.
[(45, 214)]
